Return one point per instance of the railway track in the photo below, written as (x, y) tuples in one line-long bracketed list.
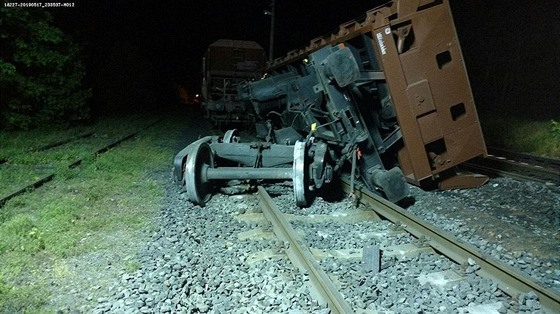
[(225, 257), (424, 239), (52, 145), (42, 179), (301, 255), (63, 142), (517, 165), (510, 280)]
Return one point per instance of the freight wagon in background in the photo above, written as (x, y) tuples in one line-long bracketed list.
[(386, 98), (225, 65)]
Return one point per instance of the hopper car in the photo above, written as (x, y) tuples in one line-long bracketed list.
[(386, 99), (225, 65)]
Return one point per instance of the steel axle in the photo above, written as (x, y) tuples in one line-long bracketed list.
[(201, 172)]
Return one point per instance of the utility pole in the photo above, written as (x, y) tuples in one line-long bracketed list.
[(271, 46)]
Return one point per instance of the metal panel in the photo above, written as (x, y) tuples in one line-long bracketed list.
[(429, 127), (440, 105), (420, 97)]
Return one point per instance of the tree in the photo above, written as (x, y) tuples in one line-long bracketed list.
[(40, 72)]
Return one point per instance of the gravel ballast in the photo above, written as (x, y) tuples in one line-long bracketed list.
[(195, 262), (517, 222)]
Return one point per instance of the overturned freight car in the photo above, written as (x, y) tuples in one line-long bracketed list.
[(225, 65), (387, 98)]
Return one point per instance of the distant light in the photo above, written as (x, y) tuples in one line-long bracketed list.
[(266, 12)]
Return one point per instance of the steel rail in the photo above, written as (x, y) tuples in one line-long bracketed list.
[(510, 280), (53, 145), (505, 168), (35, 184), (301, 256), (62, 142), (47, 178), (530, 159)]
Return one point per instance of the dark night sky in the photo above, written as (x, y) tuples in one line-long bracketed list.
[(173, 35), (503, 43)]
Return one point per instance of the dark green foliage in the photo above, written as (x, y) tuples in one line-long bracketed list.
[(40, 72), (555, 128)]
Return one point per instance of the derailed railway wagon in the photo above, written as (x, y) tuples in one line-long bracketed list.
[(227, 63), (387, 97)]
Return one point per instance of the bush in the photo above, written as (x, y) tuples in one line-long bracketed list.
[(555, 129), (40, 72)]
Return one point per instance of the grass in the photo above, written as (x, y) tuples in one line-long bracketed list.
[(26, 165), (14, 177), (20, 147), (521, 134), (83, 210)]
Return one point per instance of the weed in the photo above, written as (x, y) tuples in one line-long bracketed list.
[(132, 266), (104, 204), (21, 234), (521, 134)]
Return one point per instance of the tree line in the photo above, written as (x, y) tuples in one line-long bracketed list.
[(41, 72)]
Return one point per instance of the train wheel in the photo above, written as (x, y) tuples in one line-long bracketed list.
[(199, 188), (231, 136), (300, 177), (183, 184)]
